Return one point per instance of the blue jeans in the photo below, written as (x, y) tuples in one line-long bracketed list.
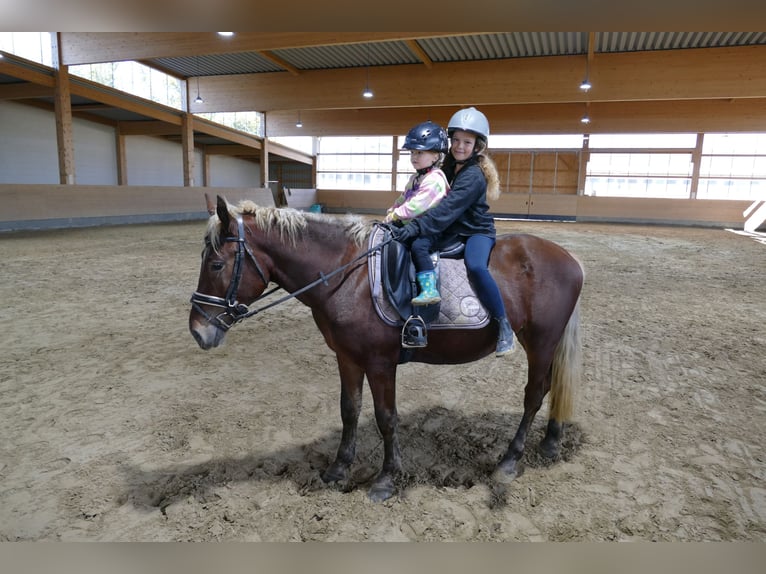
[(477, 250)]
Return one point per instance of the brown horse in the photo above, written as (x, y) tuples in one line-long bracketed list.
[(248, 247)]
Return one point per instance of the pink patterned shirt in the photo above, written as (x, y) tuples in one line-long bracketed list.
[(420, 194)]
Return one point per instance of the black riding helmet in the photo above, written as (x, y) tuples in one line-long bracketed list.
[(427, 136)]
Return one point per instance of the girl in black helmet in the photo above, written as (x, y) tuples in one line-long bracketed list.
[(464, 212), (427, 143)]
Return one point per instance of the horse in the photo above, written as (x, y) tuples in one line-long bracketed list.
[(248, 247)]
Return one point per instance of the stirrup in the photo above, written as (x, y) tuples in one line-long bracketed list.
[(414, 333)]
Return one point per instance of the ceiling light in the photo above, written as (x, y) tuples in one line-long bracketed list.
[(226, 34), (198, 99), (586, 85), (299, 123), (367, 93), (585, 119)]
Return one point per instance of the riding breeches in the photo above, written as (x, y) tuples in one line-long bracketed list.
[(477, 250)]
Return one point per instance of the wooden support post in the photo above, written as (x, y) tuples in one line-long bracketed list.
[(187, 145), (265, 165), (63, 110), (205, 169), (696, 161), (583, 169), (121, 159)]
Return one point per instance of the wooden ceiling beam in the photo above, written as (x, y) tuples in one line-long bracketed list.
[(148, 128), (232, 150), (420, 53), (10, 67), (280, 62), (692, 116), (236, 137), (93, 47), (24, 90), (705, 73)]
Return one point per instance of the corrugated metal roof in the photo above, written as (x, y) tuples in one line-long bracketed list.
[(458, 48)]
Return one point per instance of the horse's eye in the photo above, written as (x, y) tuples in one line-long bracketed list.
[(216, 265)]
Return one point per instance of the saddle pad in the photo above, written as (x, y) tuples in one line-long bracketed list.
[(460, 308)]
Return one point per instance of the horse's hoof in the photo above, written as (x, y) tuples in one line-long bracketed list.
[(382, 489), (549, 449), (506, 473), (335, 473)]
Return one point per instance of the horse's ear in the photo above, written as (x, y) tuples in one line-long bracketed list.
[(210, 205), (223, 213)]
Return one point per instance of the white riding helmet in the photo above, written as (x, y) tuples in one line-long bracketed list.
[(469, 120)]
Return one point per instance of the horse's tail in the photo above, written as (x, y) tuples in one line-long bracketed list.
[(566, 369)]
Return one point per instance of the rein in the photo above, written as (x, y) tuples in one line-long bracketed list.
[(235, 311)]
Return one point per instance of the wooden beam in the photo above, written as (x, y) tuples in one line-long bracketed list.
[(203, 126), (123, 101), (707, 73), (121, 159), (24, 90), (420, 53), (187, 147), (233, 150), (37, 74), (696, 164), (280, 62), (91, 107), (148, 128), (93, 47), (63, 111), (264, 165), (610, 117), (277, 149)]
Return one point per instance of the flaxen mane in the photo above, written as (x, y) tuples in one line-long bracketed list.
[(291, 223)]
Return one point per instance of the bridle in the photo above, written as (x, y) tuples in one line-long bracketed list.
[(233, 312), (232, 309)]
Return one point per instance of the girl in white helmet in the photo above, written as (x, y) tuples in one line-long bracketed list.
[(427, 143), (464, 213)]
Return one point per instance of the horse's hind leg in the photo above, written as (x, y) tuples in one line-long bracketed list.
[(538, 383), (351, 380)]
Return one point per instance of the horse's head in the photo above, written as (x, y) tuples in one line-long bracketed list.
[(230, 278)]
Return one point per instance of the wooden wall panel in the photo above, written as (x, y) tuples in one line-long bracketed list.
[(537, 171), (26, 204)]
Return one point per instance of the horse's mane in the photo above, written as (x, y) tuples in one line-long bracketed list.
[(291, 223)]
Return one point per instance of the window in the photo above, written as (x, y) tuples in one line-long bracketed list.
[(134, 78), (358, 163), (248, 122), (733, 166), (35, 46), (635, 165)]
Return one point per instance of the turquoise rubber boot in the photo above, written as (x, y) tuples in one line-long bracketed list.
[(428, 293)]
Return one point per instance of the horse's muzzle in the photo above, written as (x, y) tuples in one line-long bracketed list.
[(208, 336)]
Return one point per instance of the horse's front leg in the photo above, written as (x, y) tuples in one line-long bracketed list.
[(351, 380), (382, 381)]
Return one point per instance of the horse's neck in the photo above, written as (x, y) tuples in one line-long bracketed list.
[(297, 265)]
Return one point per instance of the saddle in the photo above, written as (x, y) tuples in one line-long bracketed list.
[(393, 285), (399, 277)]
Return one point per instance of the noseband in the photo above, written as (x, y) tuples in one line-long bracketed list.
[(233, 311)]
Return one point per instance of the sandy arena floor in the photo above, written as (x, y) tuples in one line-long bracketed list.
[(117, 427)]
